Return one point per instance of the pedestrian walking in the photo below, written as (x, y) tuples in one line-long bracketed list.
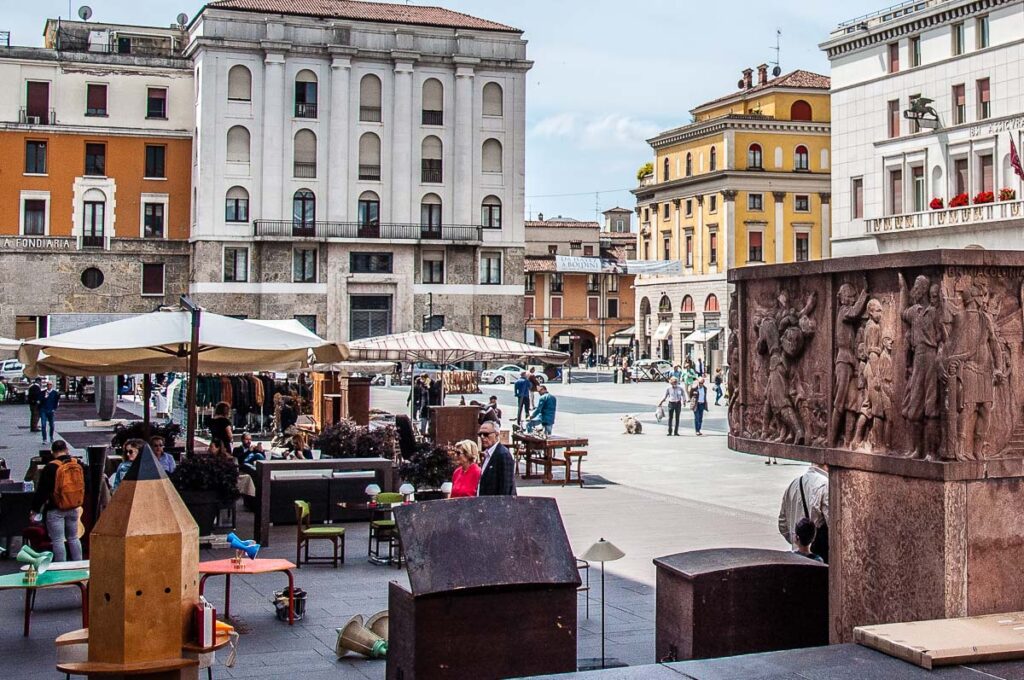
[(35, 391), (466, 478), (674, 394), (807, 498), (544, 414), (48, 408), (498, 472), (805, 532), (534, 385), (718, 385), (689, 376), (522, 392), (59, 498), (699, 404)]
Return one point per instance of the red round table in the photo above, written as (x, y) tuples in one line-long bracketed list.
[(227, 568)]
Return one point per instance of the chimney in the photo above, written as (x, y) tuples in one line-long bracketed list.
[(762, 74), (540, 217), (748, 76)]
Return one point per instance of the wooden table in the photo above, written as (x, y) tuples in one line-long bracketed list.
[(49, 579), (546, 447), (227, 569)]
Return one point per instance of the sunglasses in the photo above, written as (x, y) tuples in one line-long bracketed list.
[(485, 434)]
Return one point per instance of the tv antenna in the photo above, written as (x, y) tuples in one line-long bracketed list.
[(777, 71), (84, 12), (182, 19)]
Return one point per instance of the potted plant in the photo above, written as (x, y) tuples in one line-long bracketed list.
[(205, 483), (346, 439), (959, 201), (645, 170), (936, 204), (1007, 194), (428, 468), (984, 197), (139, 430)]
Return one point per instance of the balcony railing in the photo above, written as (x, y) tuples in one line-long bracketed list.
[(433, 117), (369, 172), (304, 170), (369, 114), (1002, 211), (48, 117), (287, 229), (431, 175), (305, 110)]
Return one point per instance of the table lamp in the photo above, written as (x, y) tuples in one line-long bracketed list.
[(446, 488), (372, 490), (407, 490), (602, 552)]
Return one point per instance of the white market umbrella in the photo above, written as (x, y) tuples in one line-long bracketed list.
[(290, 325), (448, 347), (8, 345)]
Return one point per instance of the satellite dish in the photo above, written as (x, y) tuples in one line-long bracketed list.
[(739, 83), (776, 71), (84, 12), (182, 19)]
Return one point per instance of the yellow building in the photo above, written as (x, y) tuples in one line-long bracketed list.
[(746, 183)]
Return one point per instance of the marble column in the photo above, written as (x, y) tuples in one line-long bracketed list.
[(729, 225), (826, 224), (338, 140), (698, 236), (780, 225), (274, 98), (464, 151), (402, 145)]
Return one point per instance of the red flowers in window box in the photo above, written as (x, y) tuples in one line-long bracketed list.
[(959, 201), (984, 197), (1006, 194), (936, 204)]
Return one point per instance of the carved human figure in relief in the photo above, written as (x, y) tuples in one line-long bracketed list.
[(921, 404), (846, 401), (873, 406), (974, 366), (782, 337)]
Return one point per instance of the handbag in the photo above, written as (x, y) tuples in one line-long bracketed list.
[(693, 403), (659, 413)]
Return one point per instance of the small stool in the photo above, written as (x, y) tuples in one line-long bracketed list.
[(569, 455)]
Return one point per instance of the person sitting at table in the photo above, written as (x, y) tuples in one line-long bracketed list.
[(166, 459), (544, 414), (466, 478), (298, 448), (241, 452), (131, 450), (491, 411), (220, 424), (256, 453)]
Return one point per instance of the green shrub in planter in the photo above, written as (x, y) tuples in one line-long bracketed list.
[(346, 439), (428, 468), (204, 483)]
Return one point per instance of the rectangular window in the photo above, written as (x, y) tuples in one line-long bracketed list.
[(713, 248), (802, 250), (915, 126), (713, 204), (613, 308), (664, 212), (620, 226), (236, 208), (305, 99), (433, 322), (894, 118), (529, 308), (801, 203), (304, 265), (984, 99), (895, 192), (490, 216), (755, 202), (857, 198), (96, 160), (433, 267), (613, 283), (689, 207), (915, 51), (552, 250), (588, 251), (430, 170), (155, 161), (490, 325), (981, 32), (556, 283), (490, 269), (957, 31), (666, 246), (959, 105), (894, 57), (236, 265), (593, 283), (35, 158), (152, 279), (556, 308), (153, 220), (530, 283), (93, 221), (689, 250), (35, 217), (593, 308), (369, 316), (960, 175), (372, 263), (156, 103), (920, 195), (307, 320), (985, 173), (95, 99), (755, 249)]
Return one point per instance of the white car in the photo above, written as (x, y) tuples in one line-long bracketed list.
[(508, 373), (11, 369)]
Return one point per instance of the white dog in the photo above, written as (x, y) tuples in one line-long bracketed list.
[(632, 424)]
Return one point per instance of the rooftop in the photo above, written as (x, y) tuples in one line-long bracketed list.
[(562, 222), (891, 13), (360, 10), (798, 79)]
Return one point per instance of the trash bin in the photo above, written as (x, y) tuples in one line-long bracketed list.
[(616, 374), (281, 604)]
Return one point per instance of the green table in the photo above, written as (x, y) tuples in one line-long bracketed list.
[(49, 579)]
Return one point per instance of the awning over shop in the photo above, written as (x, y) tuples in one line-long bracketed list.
[(622, 338), (663, 330), (701, 336)]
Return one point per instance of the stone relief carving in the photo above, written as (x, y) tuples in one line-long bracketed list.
[(921, 405), (847, 401), (733, 383), (874, 381)]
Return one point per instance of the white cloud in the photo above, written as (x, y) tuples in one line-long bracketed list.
[(611, 131), (560, 125)]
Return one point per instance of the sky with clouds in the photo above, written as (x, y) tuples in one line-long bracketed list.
[(607, 74)]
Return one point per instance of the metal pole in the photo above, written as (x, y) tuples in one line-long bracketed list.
[(193, 375), (147, 391), (602, 614)]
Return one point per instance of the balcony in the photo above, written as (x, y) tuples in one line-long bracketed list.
[(46, 117), (433, 117), (323, 231), (305, 110), (369, 114), (430, 175), (369, 172), (305, 170), (1003, 211)]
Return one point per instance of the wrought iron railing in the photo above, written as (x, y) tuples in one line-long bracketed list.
[(287, 229), (305, 110), (369, 114), (369, 172), (433, 117), (304, 170), (431, 175)]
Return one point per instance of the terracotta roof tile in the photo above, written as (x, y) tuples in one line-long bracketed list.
[(797, 79), (568, 224), (629, 236), (360, 10), (538, 265)]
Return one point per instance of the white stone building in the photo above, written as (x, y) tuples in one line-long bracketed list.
[(359, 167), (888, 169)]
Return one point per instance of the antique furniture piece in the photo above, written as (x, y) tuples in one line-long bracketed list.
[(543, 450), (306, 532)]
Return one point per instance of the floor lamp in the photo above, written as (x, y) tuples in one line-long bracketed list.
[(602, 552)]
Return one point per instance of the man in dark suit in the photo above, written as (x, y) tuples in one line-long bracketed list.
[(35, 393), (499, 468)]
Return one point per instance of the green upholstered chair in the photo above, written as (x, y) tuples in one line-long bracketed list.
[(384, 532), (305, 532)]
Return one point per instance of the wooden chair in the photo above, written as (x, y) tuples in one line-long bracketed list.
[(304, 533), (569, 455), (384, 531)]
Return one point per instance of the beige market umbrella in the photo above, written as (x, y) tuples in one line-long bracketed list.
[(8, 345), (449, 347)]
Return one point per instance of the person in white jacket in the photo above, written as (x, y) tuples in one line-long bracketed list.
[(807, 496)]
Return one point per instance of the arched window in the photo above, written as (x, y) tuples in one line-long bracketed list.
[(430, 216), (493, 100), (433, 102), (369, 157), (800, 110), (490, 213), (238, 145), (687, 304), (236, 205), (801, 158), (305, 154), (369, 99), (303, 213), (689, 164), (239, 83), (431, 168), (714, 159), (754, 157), (664, 171), (369, 212), (664, 305), (305, 94), (492, 156), (94, 218), (711, 303)]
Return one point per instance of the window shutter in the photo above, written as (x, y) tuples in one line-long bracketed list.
[(152, 279), (755, 239), (369, 149), (239, 83), (492, 156), (983, 90), (96, 98), (305, 146), (433, 95), (238, 144), (369, 91), (493, 97)]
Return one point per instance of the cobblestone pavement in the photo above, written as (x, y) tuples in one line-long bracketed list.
[(650, 494)]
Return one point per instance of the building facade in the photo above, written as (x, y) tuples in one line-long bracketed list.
[(358, 169), (96, 139), (941, 178), (746, 183), (583, 305)]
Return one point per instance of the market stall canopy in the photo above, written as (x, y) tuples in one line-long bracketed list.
[(8, 345), (449, 347), (290, 325), (161, 341)]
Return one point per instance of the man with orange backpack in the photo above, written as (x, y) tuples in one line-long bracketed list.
[(60, 495)]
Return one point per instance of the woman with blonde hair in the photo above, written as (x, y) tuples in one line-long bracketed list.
[(467, 475)]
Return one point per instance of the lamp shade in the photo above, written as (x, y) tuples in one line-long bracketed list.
[(372, 490), (407, 489), (602, 551), (446, 487)]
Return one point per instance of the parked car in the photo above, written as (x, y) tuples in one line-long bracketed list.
[(508, 373), (12, 369), (651, 369)]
